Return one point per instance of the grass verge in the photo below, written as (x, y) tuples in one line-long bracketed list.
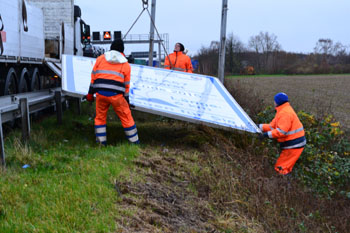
[(69, 184)]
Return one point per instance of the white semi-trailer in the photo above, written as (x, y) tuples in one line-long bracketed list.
[(33, 36)]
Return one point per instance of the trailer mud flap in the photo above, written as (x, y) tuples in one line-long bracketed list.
[(55, 67)]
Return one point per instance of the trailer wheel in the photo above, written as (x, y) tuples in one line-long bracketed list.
[(23, 85), (35, 82), (10, 86)]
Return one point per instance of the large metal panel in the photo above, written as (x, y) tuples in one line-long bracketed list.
[(76, 74), (32, 40), (10, 14), (190, 97)]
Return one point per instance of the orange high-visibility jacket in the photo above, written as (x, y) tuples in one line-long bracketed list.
[(286, 128), (179, 61), (111, 73)]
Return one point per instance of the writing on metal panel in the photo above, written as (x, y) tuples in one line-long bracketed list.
[(190, 97)]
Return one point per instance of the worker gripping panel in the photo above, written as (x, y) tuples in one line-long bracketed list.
[(185, 96)]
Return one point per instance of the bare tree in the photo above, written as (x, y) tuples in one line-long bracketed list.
[(329, 53), (207, 58), (266, 46), (234, 47), (324, 46), (340, 52)]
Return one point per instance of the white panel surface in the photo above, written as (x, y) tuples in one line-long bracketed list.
[(190, 97), (76, 74)]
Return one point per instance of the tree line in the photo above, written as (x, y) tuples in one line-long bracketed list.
[(264, 55)]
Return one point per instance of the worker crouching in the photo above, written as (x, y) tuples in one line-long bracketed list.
[(110, 80), (289, 131)]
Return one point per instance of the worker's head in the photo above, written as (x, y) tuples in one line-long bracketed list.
[(118, 45), (280, 98), (179, 47)]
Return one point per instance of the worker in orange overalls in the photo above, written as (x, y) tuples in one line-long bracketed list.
[(178, 60), (110, 80), (289, 131)]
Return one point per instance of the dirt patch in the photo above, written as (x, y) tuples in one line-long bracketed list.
[(223, 183), (164, 201)]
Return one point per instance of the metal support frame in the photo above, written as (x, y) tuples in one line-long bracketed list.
[(22, 105), (160, 54), (58, 101), (221, 73), (23, 102), (151, 34), (143, 39), (75, 103), (78, 101), (3, 163)]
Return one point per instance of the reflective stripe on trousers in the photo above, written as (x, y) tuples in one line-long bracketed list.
[(121, 108), (131, 134), (101, 134)]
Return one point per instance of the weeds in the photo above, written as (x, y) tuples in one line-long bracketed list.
[(184, 178), (325, 162), (321, 172)]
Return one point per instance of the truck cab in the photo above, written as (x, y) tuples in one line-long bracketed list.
[(33, 36), (81, 33)]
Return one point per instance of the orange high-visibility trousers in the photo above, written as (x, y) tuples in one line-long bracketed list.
[(121, 108), (287, 159)]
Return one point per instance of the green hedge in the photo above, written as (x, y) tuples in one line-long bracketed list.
[(324, 165)]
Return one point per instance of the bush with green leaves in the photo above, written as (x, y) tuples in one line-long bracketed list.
[(324, 165)]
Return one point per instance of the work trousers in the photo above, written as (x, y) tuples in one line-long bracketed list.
[(287, 159), (122, 109)]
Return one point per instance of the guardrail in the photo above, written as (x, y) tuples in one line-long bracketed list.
[(17, 106)]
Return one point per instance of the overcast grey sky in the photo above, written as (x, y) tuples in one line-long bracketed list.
[(298, 24)]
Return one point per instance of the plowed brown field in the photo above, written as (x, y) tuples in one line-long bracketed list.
[(317, 94)]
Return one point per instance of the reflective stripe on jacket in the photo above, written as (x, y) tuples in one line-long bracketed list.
[(179, 61), (286, 128), (110, 75)]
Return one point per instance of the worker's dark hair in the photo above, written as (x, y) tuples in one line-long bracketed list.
[(182, 47), (118, 45)]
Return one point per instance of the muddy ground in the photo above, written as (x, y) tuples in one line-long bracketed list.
[(163, 202), (205, 180), (174, 190)]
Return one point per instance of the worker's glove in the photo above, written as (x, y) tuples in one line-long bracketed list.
[(131, 59), (90, 97), (262, 136)]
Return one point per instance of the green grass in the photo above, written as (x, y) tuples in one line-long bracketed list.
[(69, 186), (190, 172)]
